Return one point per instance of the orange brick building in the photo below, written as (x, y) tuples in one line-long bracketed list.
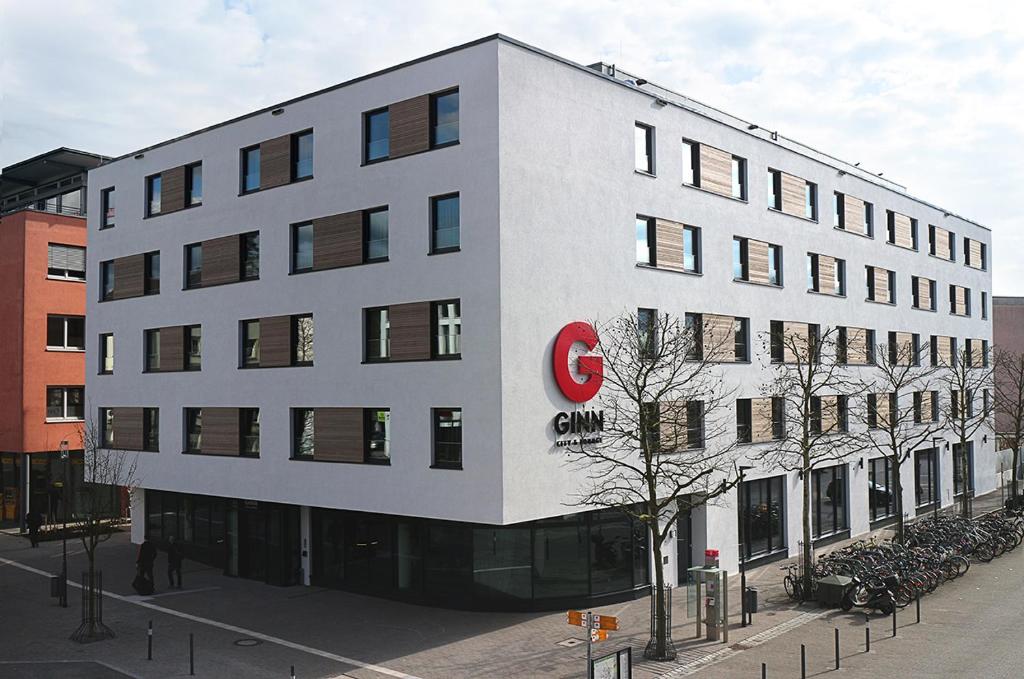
[(42, 329)]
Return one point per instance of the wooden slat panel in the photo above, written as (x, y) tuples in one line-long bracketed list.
[(903, 232), (220, 433), (794, 195), (881, 285), (857, 350), (926, 406), (338, 434), (924, 293), (904, 347), (757, 262), (128, 428), (797, 336), (760, 419), (275, 341), (960, 300), (221, 260), (719, 337), (338, 240), (827, 275), (409, 126), (942, 243), (829, 413), (715, 170), (668, 241), (672, 425), (410, 331), (276, 162), (882, 409), (977, 355), (172, 189), (129, 276), (853, 215), (944, 346), (975, 250), (172, 348)]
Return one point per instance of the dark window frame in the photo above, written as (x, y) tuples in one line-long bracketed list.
[(652, 167), (433, 118), (366, 217), (189, 249), (434, 202), (189, 180), (435, 330), (243, 256), (367, 357), (187, 348), (294, 243), (101, 367), (151, 180), (108, 212), (367, 120), (368, 440), (437, 443), (151, 438), (245, 171), (151, 283), (294, 160)]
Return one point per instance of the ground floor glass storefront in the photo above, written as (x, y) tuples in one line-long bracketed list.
[(44, 476), (762, 516)]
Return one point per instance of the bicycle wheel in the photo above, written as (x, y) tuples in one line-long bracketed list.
[(984, 552), (790, 584)]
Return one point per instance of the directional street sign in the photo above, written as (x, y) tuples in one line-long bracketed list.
[(574, 618), (605, 622), (598, 635)]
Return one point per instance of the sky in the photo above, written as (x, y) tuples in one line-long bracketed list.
[(929, 93)]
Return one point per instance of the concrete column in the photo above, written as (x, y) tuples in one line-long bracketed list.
[(306, 534), (26, 490), (137, 501)]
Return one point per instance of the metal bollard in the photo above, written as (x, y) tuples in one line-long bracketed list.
[(803, 662), (764, 671), (293, 671), (149, 641), (837, 648), (919, 608), (191, 656), (867, 635), (894, 619)]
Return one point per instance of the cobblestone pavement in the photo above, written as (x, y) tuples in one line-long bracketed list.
[(248, 629)]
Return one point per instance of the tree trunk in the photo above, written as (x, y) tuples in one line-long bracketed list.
[(660, 631), (900, 519), (965, 499), (1013, 476), (808, 547)]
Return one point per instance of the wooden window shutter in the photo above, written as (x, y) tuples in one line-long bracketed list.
[(977, 352), (903, 231), (829, 414), (715, 170), (959, 300), (794, 196), (942, 243), (221, 260), (129, 276), (172, 189), (409, 126), (275, 341), (172, 348), (904, 347), (220, 431), (924, 293), (882, 409), (128, 428), (857, 345), (881, 285), (761, 420), (853, 215), (797, 335), (945, 349), (668, 241), (926, 406), (757, 262), (410, 331), (276, 162), (975, 253), (338, 240), (827, 275), (338, 434), (719, 337), (672, 426)]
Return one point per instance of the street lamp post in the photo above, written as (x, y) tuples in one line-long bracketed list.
[(743, 549), (64, 531)]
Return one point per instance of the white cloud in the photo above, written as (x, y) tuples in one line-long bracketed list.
[(930, 93)]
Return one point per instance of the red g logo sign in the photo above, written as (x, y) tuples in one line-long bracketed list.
[(592, 367)]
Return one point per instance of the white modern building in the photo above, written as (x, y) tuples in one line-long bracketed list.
[(328, 325)]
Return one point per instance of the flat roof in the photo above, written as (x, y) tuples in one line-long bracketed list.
[(45, 168)]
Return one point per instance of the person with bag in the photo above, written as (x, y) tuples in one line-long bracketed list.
[(143, 583), (175, 556), (34, 521)]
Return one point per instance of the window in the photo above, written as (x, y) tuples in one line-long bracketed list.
[(691, 249), (881, 489), (375, 225), (65, 403), (869, 219), (746, 432), (302, 433), (739, 178), (984, 305), (447, 329), (828, 501), (691, 163), (302, 247), (647, 332), (925, 477), (250, 344), (775, 264), (694, 425), (107, 353), (152, 350), (194, 182), (193, 265), (643, 136), (193, 430), (152, 282), (378, 435), (107, 427), (958, 461), (250, 245), (107, 208), (838, 210), (830, 414), (153, 195), (377, 135), (926, 406), (645, 245), (775, 199), (763, 516), (106, 280), (302, 339), (826, 274), (250, 169), (448, 437), (249, 432), (444, 119), (193, 347), (739, 259), (151, 429), (302, 155), (378, 334), (444, 220), (742, 339), (811, 200), (65, 262), (65, 332)]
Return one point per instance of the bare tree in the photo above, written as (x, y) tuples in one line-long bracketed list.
[(967, 375), (1009, 406), (814, 388), (666, 443), (902, 410), (106, 471)]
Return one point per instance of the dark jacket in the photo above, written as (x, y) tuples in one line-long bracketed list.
[(175, 555), (147, 553), (34, 520)]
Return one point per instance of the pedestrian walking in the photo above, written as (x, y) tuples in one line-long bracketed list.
[(175, 556), (146, 559), (34, 520)]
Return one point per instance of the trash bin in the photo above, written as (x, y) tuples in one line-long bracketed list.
[(751, 600), (831, 589), (55, 586)]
